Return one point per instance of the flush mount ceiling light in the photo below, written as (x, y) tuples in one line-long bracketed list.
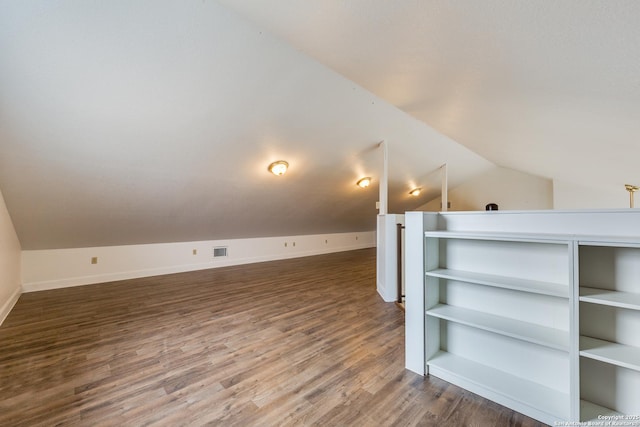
[(278, 168), (415, 192), (364, 182)]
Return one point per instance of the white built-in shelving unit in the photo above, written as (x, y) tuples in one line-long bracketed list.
[(609, 301), (529, 309), (498, 317)]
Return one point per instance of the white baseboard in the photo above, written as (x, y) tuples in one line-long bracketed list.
[(269, 249), (384, 294), (69, 282), (8, 306)]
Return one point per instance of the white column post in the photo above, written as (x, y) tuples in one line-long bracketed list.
[(445, 194), (384, 179)]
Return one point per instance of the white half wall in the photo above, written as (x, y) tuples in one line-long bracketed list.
[(387, 256), (10, 288), (569, 195), (510, 189), (416, 223), (60, 268)]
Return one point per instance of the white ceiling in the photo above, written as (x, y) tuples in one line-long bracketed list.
[(154, 121), (548, 87)]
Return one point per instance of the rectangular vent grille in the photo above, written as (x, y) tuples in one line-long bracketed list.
[(220, 251)]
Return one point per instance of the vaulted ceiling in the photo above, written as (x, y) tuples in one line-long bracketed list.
[(154, 121), (547, 87)]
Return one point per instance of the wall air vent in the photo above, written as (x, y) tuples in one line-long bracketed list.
[(220, 251)]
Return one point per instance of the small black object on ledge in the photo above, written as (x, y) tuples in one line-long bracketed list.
[(491, 207)]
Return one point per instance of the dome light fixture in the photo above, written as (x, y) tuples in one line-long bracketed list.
[(278, 168), (364, 182), (415, 192)]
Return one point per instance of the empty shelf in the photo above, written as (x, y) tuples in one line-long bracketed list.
[(525, 331), (451, 367), (525, 285), (505, 237), (589, 411), (622, 355), (612, 298)]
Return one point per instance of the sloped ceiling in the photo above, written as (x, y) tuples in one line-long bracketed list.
[(547, 87), (146, 121)]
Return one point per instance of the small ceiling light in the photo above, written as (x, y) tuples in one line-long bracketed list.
[(278, 168), (415, 192), (364, 182)]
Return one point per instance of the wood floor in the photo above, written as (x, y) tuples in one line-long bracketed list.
[(288, 343)]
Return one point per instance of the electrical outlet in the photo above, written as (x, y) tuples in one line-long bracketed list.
[(294, 243), (195, 252), (326, 241), (285, 244), (356, 237), (94, 260)]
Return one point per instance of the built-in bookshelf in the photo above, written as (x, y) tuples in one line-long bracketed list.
[(530, 309), (497, 317), (609, 295)]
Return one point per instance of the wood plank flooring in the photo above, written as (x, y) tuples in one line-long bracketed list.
[(297, 342)]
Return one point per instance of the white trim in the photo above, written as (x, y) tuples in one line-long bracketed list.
[(445, 189), (384, 180), (544, 211), (132, 274), (8, 306), (109, 277)]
